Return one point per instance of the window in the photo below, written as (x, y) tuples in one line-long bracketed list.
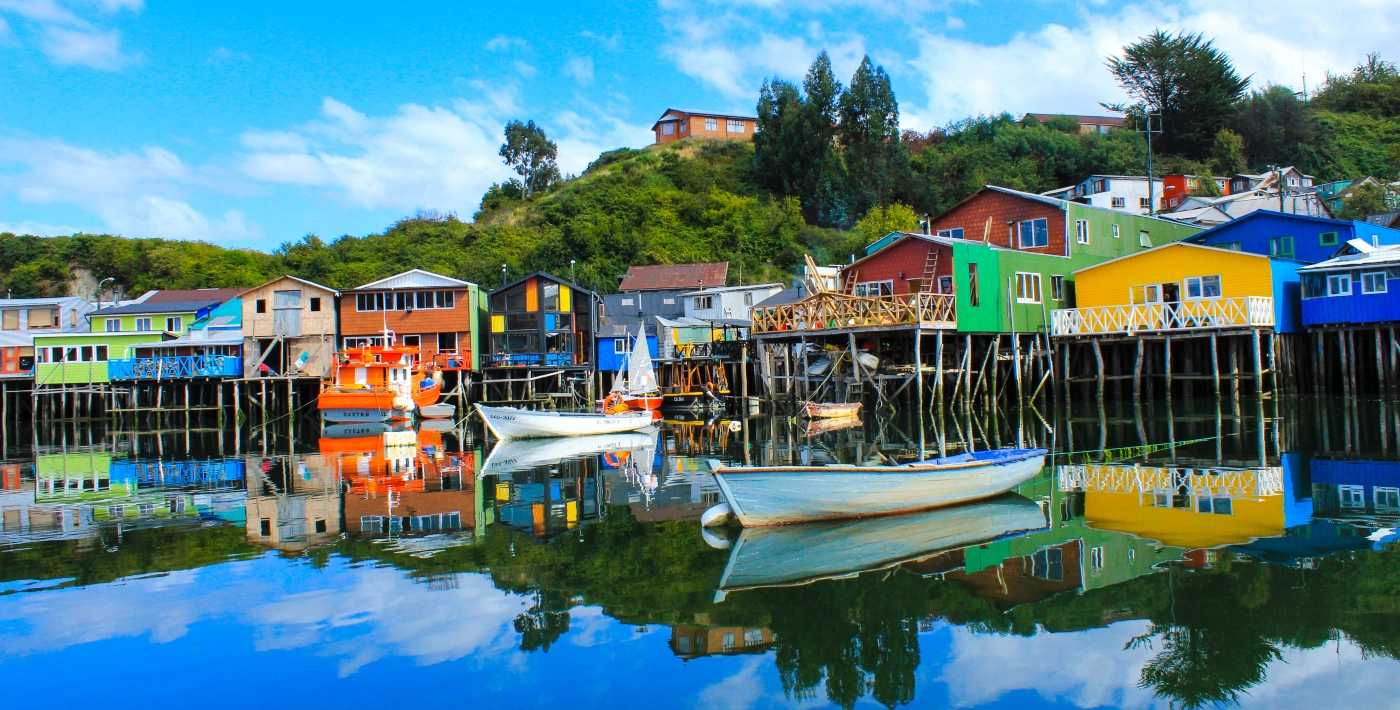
[(260, 305), (945, 284), (1095, 560), (551, 297), (1081, 231), (668, 128), (174, 324), (371, 523), (1373, 282), (682, 644), (1057, 287), (1203, 287), (1386, 499), (114, 325), (753, 637), (102, 353), (875, 289), (703, 303), (1352, 496), (1144, 203), (1217, 505), (1034, 233), (1147, 293), (735, 125), (955, 233), (712, 124), (682, 126), (669, 301), (748, 298), (727, 643), (629, 302), (11, 320), (85, 353), (143, 324), (265, 527), (972, 296), (315, 305), (1281, 246), (1327, 239), (1144, 240), (1049, 564), (43, 318), (1339, 284), (1119, 203), (620, 346), (1027, 287), (1232, 246)]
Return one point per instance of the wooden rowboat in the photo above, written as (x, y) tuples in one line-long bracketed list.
[(512, 423), (778, 495), (789, 555), (814, 410), (817, 427), (511, 455)]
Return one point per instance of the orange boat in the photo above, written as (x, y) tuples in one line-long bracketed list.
[(378, 384)]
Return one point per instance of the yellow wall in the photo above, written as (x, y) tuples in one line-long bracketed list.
[(1110, 283), (1132, 513)]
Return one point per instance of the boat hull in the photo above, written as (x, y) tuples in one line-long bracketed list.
[(512, 423), (814, 410), (437, 411), (642, 404), (691, 400), (359, 414), (798, 554), (511, 455), (796, 494)]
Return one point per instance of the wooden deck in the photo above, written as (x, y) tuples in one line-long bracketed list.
[(840, 313)]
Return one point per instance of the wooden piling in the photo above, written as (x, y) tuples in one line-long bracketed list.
[(1098, 359), (1137, 372), (1258, 364)]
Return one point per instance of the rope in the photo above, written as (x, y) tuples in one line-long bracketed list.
[(1126, 452)]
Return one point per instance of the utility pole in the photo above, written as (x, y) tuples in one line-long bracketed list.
[(1151, 199), (1278, 182)]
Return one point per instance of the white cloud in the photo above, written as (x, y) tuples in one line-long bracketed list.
[(440, 157), (68, 38), (580, 68), (501, 43), (583, 138), (525, 69)]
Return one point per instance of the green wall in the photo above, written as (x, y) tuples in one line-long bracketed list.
[(55, 373), (98, 324)]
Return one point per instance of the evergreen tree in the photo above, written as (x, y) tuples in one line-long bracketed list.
[(869, 136), (1227, 153), (776, 163), (1185, 78), (531, 153), (794, 152), (1277, 128)]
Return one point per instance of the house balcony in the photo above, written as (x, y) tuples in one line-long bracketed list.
[(175, 367), (1186, 316), (533, 360), (841, 312), (1238, 483)]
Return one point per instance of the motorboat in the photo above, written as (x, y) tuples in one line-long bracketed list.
[(513, 423), (378, 383), (816, 410), (786, 555), (511, 455), (778, 495)]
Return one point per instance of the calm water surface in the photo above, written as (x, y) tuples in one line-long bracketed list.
[(1249, 562)]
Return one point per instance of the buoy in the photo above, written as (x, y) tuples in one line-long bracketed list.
[(715, 515), (713, 540)]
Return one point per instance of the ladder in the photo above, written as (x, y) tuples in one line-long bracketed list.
[(849, 288), (930, 270)]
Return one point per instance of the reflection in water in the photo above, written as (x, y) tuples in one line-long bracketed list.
[(1184, 574)]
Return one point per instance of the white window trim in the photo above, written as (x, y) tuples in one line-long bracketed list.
[(1024, 292), (1020, 236), (1081, 231), (862, 288), (1381, 274), (1341, 293)]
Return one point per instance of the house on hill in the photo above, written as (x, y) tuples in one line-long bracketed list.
[(1087, 124), (678, 124)]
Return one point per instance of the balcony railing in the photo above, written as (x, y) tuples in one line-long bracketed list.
[(1234, 482), (833, 311), (1244, 311), (532, 360), (177, 367)]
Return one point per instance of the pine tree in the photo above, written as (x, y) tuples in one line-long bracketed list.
[(869, 139)]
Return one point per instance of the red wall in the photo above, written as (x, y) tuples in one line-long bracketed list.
[(972, 216), (907, 256)]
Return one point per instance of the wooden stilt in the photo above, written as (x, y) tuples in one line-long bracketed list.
[(938, 356), (1258, 364), (1137, 372), (1098, 359), (919, 380), (1167, 364)]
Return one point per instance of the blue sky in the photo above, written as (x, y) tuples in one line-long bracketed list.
[(255, 123)]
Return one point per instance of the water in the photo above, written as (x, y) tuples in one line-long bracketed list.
[(280, 567)]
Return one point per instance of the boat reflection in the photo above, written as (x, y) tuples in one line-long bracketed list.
[(787, 555), (402, 482), (511, 455)]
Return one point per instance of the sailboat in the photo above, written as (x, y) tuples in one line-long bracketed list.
[(642, 394)]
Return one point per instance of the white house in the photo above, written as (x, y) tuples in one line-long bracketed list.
[(23, 318), (1125, 193), (727, 302)]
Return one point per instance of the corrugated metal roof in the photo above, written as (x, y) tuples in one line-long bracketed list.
[(189, 295), (1387, 255), (413, 278), (155, 307), (668, 277), (26, 302), (215, 338)]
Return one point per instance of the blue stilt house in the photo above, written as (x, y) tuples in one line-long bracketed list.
[(1294, 236), (1353, 289)]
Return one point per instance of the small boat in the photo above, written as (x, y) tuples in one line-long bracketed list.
[(816, 427), (815, 410), (441, 410), (512, 423), (789, 555), (375, 384), (637, 387), (778, 495), (510, 455)]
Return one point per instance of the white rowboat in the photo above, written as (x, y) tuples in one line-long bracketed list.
[(441, 410), (512, 423), (778, 495), (799, 554), (510, 455)]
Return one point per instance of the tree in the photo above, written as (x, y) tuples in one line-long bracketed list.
[(1367, 197), (1206, 185), (880, 221), (1372, 87), (1277, 128), (1227, 153), (794, 151), (869, 136), (531, 154), (1185, 78)]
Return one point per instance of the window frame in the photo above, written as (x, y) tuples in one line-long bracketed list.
[(1339, 278), (712, 125), (707, 301), (1034, 233), (1372, 275), (953, 233), (1024, 291), (1117, 232), (730, 123), (148, 322), (1322, 240), (1144, 239), (974, 298), (862, 288), (1118, 203), (1057, 287), (1081, 231), (1276, 247)]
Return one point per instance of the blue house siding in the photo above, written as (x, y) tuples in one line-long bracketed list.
[(1287, 292), (608, 359), (1356, 473), (1356, 308), (1254, 231)]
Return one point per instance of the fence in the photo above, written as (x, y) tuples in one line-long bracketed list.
[(1244, 311), (832, 311), (178, 367)]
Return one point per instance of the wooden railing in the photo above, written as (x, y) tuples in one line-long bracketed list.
[(833, 311), (1243, 311)]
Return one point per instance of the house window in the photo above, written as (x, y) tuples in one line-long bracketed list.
[(114, 325), (712, 124), (682, 126), (260, 305), (1327, 239), (1034, 233), (1081, 231), (1203, 287), (1339, 284), (1373, 282), (174, 324), (1386, 499), (11, 320), (748, 298), (1148, 293), (955, 233), (1095, 560), (972, 296), (1144, 203), (143, 324), (945, 284), (1144, 240), (1352, 496), (620, 346), (1057, 287), (1281, 246), (668, 128), (1119, 203), (703, 303), (102, 353), (875, 289), (1216, 505), (1232, 246), (43, 318), (727, 643), (315, 305), (1049, 564), (753, 637), (735, 125), (1027, 287), (1116, 232)]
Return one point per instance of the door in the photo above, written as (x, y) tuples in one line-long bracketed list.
[(1171, 293), (286, 313)]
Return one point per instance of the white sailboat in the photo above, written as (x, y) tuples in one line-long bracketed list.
[(642, 393)]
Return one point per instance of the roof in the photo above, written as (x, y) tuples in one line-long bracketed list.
[(668, 277), (1260, 214), (547, 275), (791, 294), (190, 295), (1379, 256), (692, 112), (1170, 245), (26, 302), (1092, 120), (413, 278), (215, 338), (313, 284), (156, 307), (731, 289)]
